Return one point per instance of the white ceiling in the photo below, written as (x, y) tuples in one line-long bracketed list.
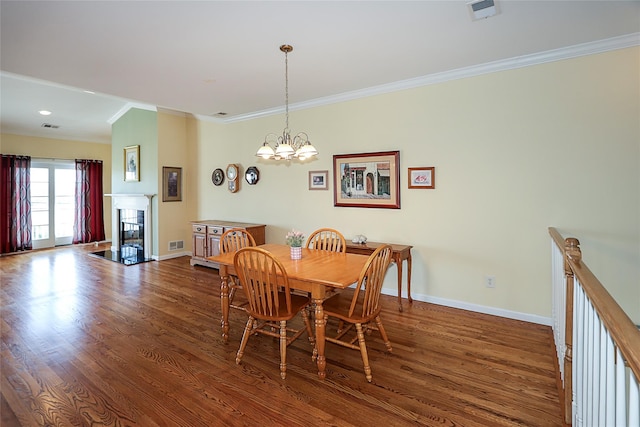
[(207, 57)]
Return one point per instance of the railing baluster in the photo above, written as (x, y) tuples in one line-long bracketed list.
[(579, 357), (611, 383), (621, 407), (588, 419), (634, 402), (602, 375), (597, 358)]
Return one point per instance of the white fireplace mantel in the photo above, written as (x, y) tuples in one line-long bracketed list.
[(141, 202)]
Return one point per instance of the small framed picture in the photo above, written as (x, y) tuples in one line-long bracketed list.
[(318, 180), (171, 184), (132, 163), (422, 177)]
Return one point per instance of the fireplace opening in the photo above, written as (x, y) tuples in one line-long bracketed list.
[(131, 231)]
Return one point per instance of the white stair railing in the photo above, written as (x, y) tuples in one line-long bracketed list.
[(597, 345)]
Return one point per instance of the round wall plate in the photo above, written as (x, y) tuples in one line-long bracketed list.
[(252, 175), (217, 177)]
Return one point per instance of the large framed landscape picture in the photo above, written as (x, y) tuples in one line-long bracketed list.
[(367, 180)]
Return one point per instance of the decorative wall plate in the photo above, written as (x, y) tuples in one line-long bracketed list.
[(252, 175), (217, 177)]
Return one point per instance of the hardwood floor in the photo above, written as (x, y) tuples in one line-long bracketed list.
[(86, 341)]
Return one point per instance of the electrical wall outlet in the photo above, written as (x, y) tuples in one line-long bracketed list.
[(490, 281)]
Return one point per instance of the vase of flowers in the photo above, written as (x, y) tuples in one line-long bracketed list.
[(294, 239)]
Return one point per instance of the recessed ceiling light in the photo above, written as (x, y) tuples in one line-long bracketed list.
[(45, 112)]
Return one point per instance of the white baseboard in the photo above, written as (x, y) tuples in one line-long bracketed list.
[(170, 256), (525, 317), (509, 314)]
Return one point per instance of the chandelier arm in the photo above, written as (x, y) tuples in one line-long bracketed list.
[(271, 134)]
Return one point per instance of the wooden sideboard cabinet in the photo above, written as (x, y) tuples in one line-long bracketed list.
[(206, 238)]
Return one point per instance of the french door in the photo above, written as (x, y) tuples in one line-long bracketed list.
[(52, 202)]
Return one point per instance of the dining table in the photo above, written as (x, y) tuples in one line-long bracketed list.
[(317, 272)]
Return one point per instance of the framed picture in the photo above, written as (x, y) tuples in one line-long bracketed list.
[(422, 177), (367, 180), (132, 163), (318, 180), (171, 184)]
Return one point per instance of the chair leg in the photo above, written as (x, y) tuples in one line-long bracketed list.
[(283, 349), (307, 324), (245, 337), (363, 352), (232, 293), (383, 334)]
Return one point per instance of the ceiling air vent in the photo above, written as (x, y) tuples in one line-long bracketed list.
[(481, 9), (50, 126)]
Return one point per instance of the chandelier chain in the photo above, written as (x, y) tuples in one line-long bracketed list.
[(286, 87)]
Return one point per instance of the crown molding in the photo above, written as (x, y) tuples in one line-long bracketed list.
[(128, 106), (592, 48)]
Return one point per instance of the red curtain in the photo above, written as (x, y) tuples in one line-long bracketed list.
[(15, 199), (88, 224)]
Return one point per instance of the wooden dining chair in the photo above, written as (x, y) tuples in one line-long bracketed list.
[(271, 304), (233, 240), (360, 305), (327, 239)]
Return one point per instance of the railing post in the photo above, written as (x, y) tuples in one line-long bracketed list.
[(571, 250)]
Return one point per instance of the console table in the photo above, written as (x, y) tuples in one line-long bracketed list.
[(399, 254)]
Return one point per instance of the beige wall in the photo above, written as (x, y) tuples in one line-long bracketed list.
[(46, 148), (515, 152), (172, 134)]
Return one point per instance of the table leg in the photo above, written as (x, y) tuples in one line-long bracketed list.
[(398, 262), (224, 303), (320, 340), (409, 278)]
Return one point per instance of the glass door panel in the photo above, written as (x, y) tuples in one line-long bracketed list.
[(64, 206), (40, 212)]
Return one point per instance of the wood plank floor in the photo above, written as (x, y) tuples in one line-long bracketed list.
[(87, 341)]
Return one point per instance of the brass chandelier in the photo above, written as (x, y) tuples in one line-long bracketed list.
[(286, 147)]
